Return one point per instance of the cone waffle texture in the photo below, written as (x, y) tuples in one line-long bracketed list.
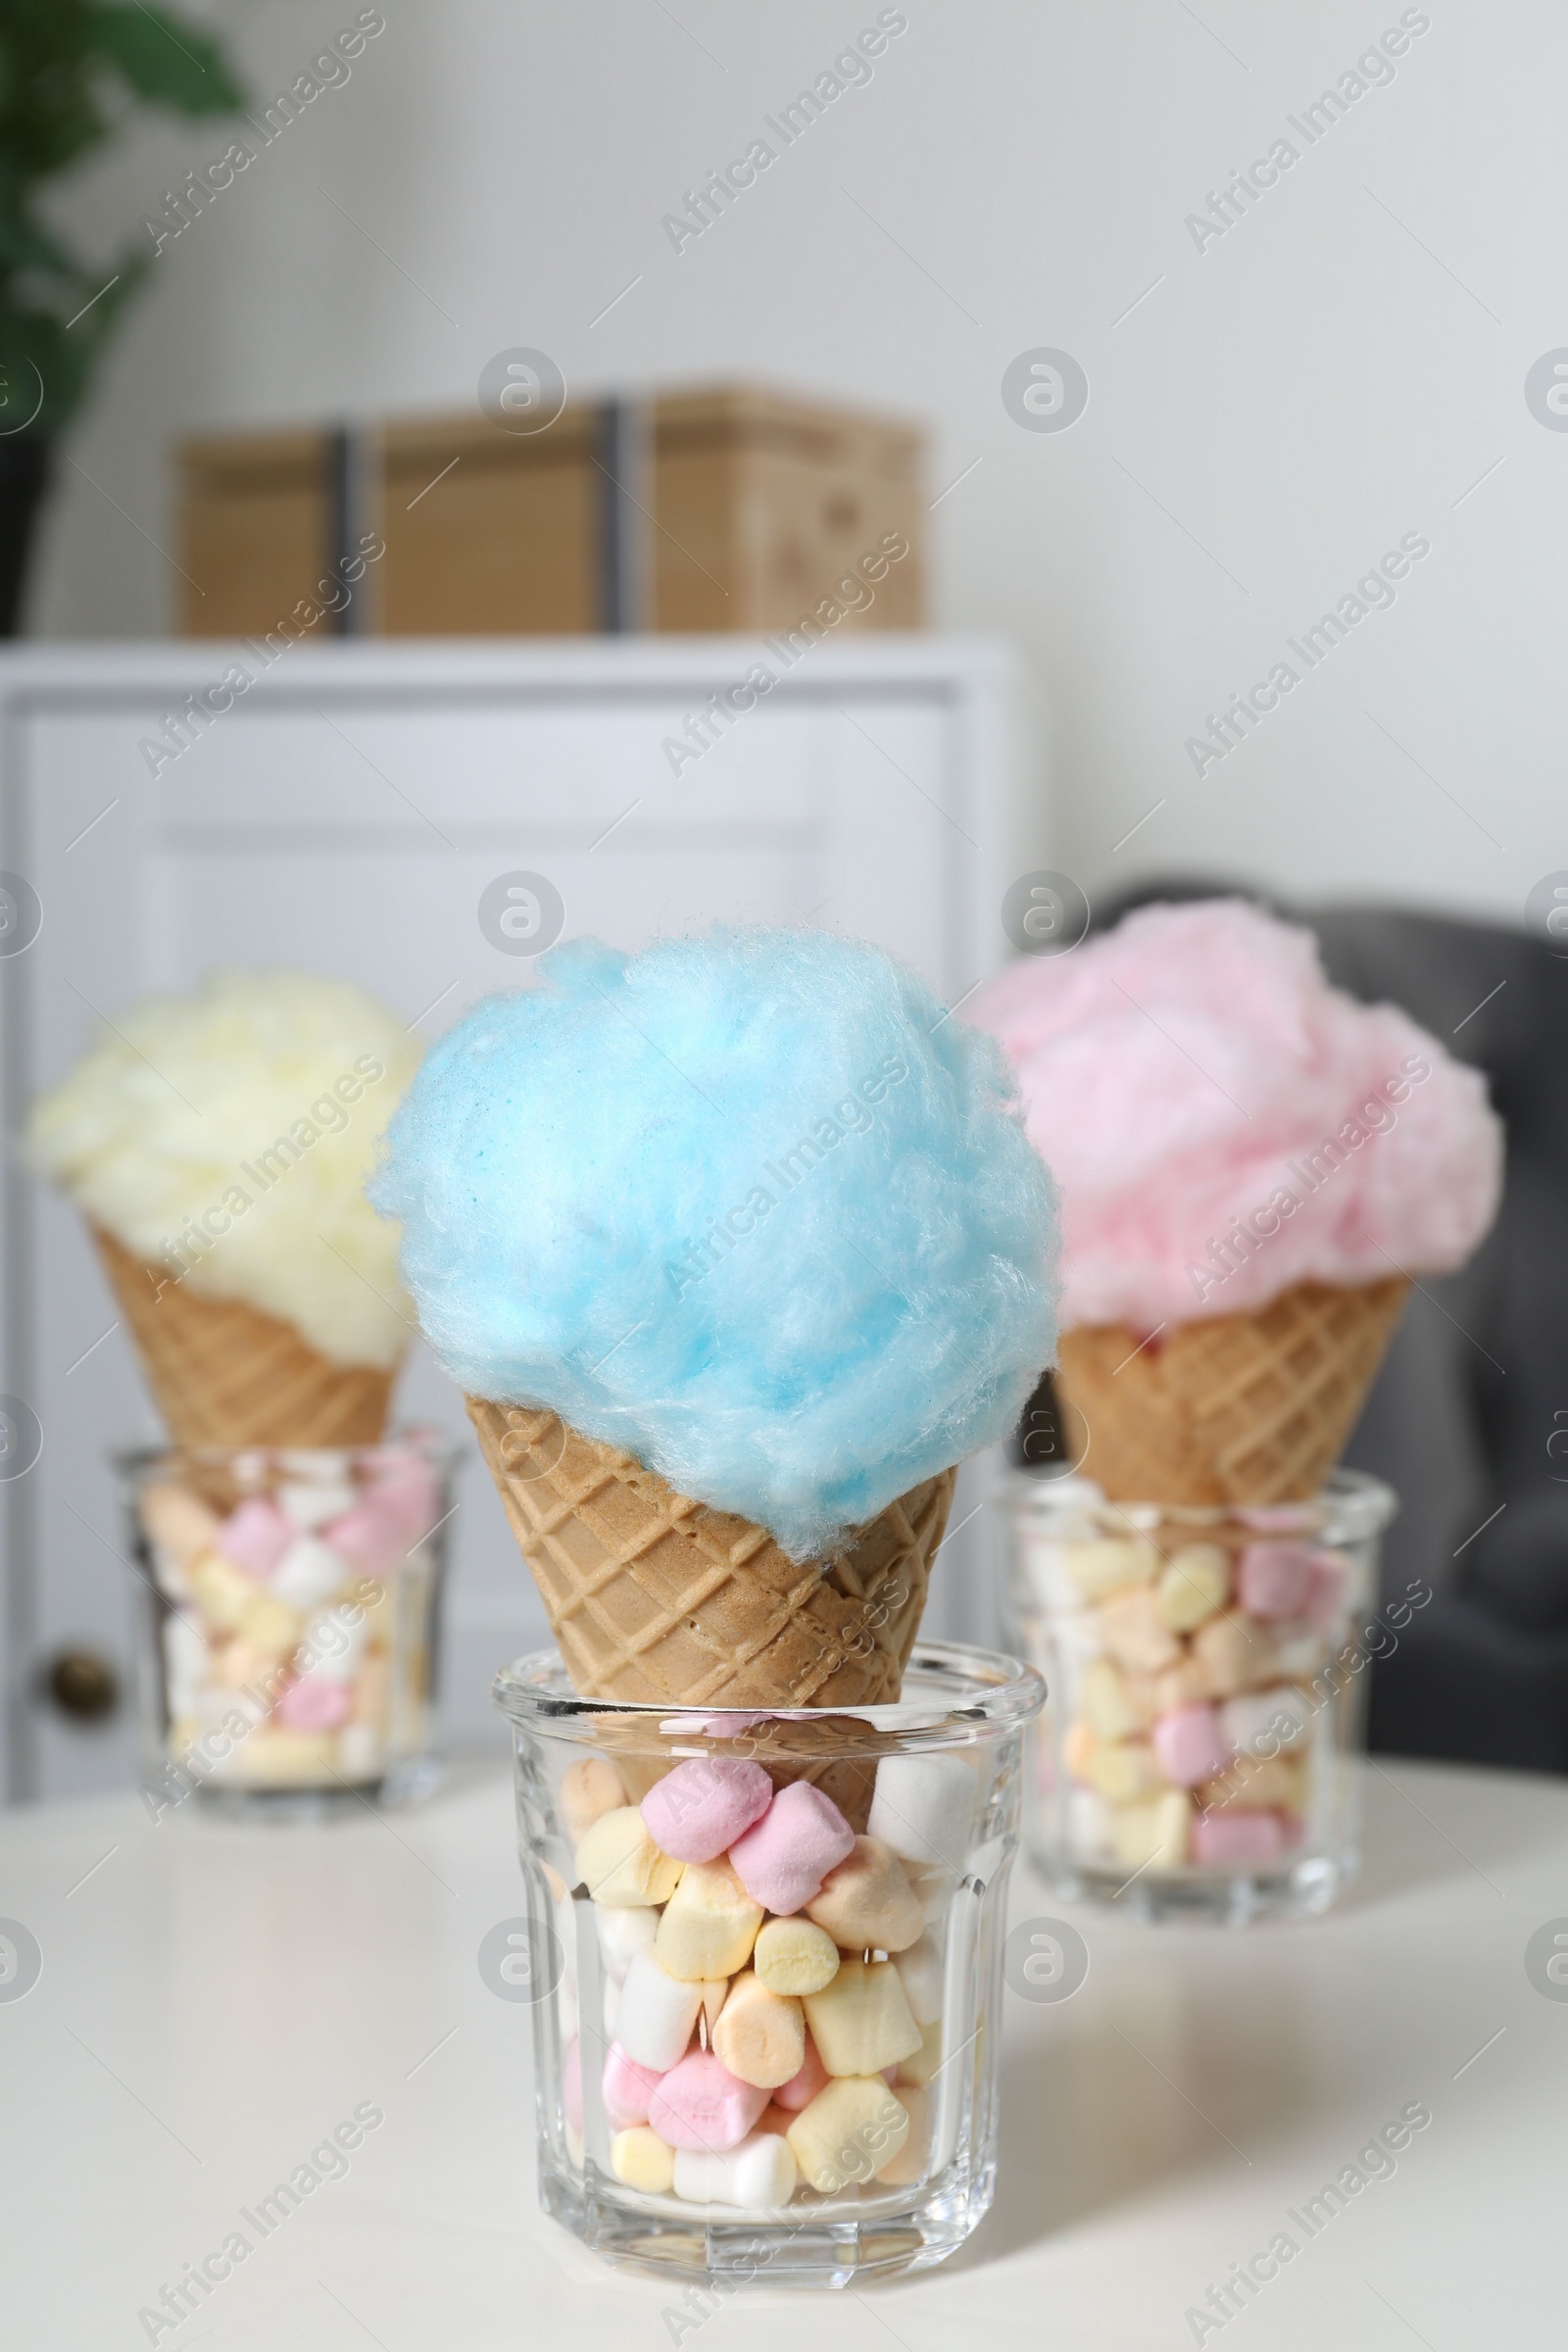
[(1243, 1408), (655, 1597), (225, 1375)]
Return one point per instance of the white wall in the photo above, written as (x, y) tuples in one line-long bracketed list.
[(1279, 411)]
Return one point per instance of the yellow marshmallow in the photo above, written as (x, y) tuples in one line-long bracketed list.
[(923, 2065), (1136, 1632), (270, 1626), (846, 2133), (866, 1903), (795, 1956), (1124, 1771), (589, 1788), (1236, 1654), (220, 1592), (1105, 1567), (619, 1862), (709, 1924), (1153, 1833), (1104, 1703), (761, 2036), (1195, 1584), (863, 2021), (908, 2163), (642, 2159)]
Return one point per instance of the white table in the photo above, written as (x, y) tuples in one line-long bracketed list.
[(214, 1999)]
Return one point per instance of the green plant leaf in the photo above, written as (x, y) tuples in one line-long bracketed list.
[(164, 59)]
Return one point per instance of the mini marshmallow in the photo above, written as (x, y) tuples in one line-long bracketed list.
[(177, 1522), (220, 1592), (1331, 1573), (795, 1956), (369, 1540), (1300, 1651), (1276, 1580), (848, 2132), (698, 1812), (760, 2173), (701, 2104), (922, 2065), (1186, 1683), (865, 1902), (761, 2036), (1079, 1748), (255, 1537), (1136, 1632), (359, 1752), (1235, 1653), (619, 1862), (609, 2006), (310, 1502), (783, 1859), (408, 1488), (1154, 1834), (1100, 1568), (336, 1642), (1191, 1745), (309, 1573), (1104, 1703), (1194, 1585), (1124, 1771), (269, 1625), (709, 1924), (920, 1974), (657, 2014), (907, 2163), (801, 2088), (627, 2089), (314, 1705), (640, 2159), (623, 1933), (861, 2022), (1088, 1819), (924, 1807), (589, 1788), (933, 1891), (185, 1665), (1257, 1782), (1234, 1841), (1261, 1723)]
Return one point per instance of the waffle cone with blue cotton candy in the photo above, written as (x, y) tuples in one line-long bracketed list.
[(737, 1247)]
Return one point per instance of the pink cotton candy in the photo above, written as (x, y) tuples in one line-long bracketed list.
[(1180, 1073), (695, 1812), (1278, 1580), (701, 2104), (1191, 1745), (312, 1704), (255, 1537), (628, 2087), (1233, 1840), (782, 1862), (369, 1538)]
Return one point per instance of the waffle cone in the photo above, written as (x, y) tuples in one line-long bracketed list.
[(1237, 1410), (655, 1597), (225, 1375)]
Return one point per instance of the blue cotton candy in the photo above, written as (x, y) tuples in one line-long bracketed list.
[(751, 1206)]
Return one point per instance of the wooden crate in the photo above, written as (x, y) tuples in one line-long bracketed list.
[(733, 509)]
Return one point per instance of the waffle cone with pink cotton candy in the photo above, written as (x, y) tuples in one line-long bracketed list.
[(1254, 1168), (654, 1596)]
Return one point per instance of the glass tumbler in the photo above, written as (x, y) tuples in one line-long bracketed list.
[(291, 1606), (1207, 1677), (726, 2085)]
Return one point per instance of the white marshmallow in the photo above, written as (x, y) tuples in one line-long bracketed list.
[(1265, 1723), (359, 1752), (311, 1503), (335, 1646), (309, 1573), (623, 1933), (567, 2007), (185, 1663), (934, 1887), (924, 1808), (920, 1967), (760, 2172), (612, 2007), (656, 2014), (1088, 1825)]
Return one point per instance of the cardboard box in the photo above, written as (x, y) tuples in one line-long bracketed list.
[(724, 510)]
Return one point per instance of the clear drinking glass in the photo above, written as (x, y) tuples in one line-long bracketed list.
[(291, 1609), (909, 2162), (1207, 1678)]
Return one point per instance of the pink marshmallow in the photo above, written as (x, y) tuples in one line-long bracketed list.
[(255, 1537), (1230, 1839), (1276, 1580), (572, 2083), (1191, 1745), (369, 1538), (312, 1704), (628, 2087), (701, 2104), (801, 2088), (783, 1860), (407, 1488), (1330, 1576), (698, 1812)]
